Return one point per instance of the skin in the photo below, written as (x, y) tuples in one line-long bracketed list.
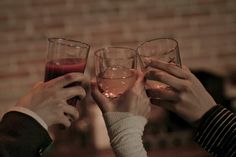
[(133, 100), (49, 99), (186, 96)]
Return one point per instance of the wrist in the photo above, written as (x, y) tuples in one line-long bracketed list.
[(197, 122)]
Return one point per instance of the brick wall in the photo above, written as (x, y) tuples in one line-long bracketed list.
[(205, 29)]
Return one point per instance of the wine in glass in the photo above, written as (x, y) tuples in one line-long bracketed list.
[(164, 49), (65, 56), (115, 70)]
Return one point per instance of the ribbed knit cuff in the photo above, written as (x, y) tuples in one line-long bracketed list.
[(125, 131)]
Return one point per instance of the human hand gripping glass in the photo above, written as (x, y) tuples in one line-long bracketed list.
[(49, 99), (164, 49), (125, 118), (134, 100), (66, 56), (187, 96)]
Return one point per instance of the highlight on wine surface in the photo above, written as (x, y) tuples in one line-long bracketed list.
[(115, 70), (165, 49), (65, 56)]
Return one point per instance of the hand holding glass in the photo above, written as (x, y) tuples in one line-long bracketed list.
[(164, 49), (65, 56)]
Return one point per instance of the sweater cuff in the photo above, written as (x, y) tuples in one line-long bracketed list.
[(125, 131)]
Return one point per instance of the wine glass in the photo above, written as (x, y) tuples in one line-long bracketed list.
[(164, 49), (65, 56), (114, 68)]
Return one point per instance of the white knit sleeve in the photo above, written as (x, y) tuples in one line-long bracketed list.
[(125, 132)]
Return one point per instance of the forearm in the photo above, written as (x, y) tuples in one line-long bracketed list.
[(125, 131), (22, 136), (217, 132)]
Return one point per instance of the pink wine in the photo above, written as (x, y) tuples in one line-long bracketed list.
[(56, 68), (150, 84), (114, 81)]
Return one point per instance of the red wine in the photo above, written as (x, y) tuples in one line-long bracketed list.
[(114, 81), (56, 68), (61, 67)]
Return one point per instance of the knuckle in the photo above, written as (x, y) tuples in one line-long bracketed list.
[(169, 67), (60, 108), (70, 76), (81, 91), (53, 95), (188, 75), (161, 75), (186, 86), (182, 97)]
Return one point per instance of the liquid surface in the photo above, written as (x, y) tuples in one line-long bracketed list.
[(61, 67), (114, 81), (56, 68)]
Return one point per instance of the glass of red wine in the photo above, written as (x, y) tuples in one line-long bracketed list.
[(114, 68), (65, 56), (164, 49)]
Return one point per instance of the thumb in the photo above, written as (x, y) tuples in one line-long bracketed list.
[(37, 84), (102, 102), (139, 81)]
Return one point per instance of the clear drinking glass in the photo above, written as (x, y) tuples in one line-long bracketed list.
[(165, 49), (65, 56), (115, 70)]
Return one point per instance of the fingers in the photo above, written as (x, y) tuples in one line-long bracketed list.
[(169, 105), (70, 92), (65, 121), (166, 78), (37, 84), (168, 67), (165, 94), (72, 111), (67, 79), (99, 98), (139, 83)]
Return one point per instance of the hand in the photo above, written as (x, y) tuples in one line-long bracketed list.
[(133, 100), (49, 99), (187, 97)]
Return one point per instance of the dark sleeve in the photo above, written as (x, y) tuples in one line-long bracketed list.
[(22, 136), (217, 132)]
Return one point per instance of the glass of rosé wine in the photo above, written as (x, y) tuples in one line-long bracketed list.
[(114, 68), (164, 49), (65, 56)]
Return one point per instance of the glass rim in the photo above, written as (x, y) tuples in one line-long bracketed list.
[(162, 38), (133, 51), (75, 42)]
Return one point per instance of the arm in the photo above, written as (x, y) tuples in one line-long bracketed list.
[(217, 132), (125, 119), (125, 131), (22, 136), (23, 130), (188, 98)]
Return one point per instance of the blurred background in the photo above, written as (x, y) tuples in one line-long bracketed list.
[(205, 30)]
